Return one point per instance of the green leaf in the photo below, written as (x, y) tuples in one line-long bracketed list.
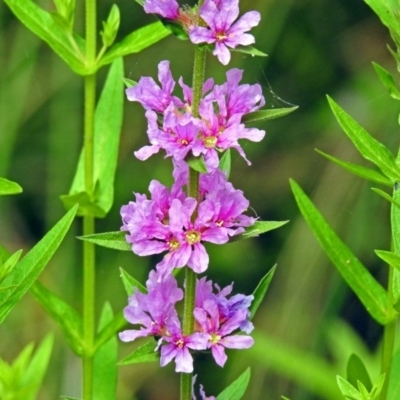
[(390, 258), (386, 197), (7, 266), (263, 115), (143, 354), (105, 362), (36, 370), (394, 381), (237, 388), (261, 290), (130, 283), (9, 187), (395, 225), (368, 147), (129, 82), (66, 317), (107, 127), (111, 240), (136, 42), (28, 269), (197, 163), (377, 388), (348, 390), (115, 325), (225, 163), (369, 291), (356, 371), (387, 80), (42, 24), (259, 228), (66, 10), (111, 26), (363, 172), (249, 50)]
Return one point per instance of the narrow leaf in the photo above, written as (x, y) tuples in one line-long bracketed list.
[(356, 371), (237, 388), (136, 42), (390, 258), (387, 80), (114, 326), (395, 225), (9, 187), (42, 24), (225, 163), (143, 354), (197, 163), (263, 115), (28, 269), (394, 381), (261, 290), (112, 240), (348, 390), (386, 197), (130, 283), (368, 147), (8, 265), (369, 291), (258, 228), (363, 172), (105, 362), (66, 317), (249, 50)]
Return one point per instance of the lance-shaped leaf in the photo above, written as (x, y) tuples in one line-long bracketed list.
[(356, 371), (348, 390), (197, 163), (130, 283), (110, 329), (225, 163), (249, 50), (112, 240), (262, 115), (105, 362), (107, 127), (368, 147), (395, 223), (136, 42), (261, 290), (28, 269), (237, 388), (390, 258), (42, 24), (369, 291), (7, 266), (386, 197), (363, 172), (387, 80), (143, 354), (66, 317), (258, 228), (9, 187)]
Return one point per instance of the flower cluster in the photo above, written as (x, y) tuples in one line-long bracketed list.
[(173, 128), (216, 24), (217, 317)]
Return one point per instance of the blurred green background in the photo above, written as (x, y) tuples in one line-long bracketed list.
[(310, 322)]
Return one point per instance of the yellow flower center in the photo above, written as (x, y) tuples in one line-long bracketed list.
[(193, 237), (179, 343), (215, 338), (210, 142), (173, 244)]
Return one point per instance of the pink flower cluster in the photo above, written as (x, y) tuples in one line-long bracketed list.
[(173, 128), (216, 26)]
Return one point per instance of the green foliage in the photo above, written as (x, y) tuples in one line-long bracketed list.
[(225, 163), (387, 80), (237, 388), (368, 147), (65, 13), (369, 291), (26, 271), (263, 115), (143, 354), (389, 257), (351, 393), (197, 163), (261, 290), (258, 228), (105, 362), (111, 240), (115, 325), (394, 382), (252, 51), (107, 128), (9, 187), (7, 265), (395, 224), (130, 283), (69, 321), (356, 371), (110, 27), (23, 378), (386, 197)]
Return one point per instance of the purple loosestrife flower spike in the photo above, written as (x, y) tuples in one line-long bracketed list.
[(221, 29), (166, 8)]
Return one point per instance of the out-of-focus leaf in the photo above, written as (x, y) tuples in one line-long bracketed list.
[(9, 187), (262, 115), (249, 50), (130, 283), (356, 371), (395, 224), (105, 362), (363, 172), (143, 354), (237, 388), (386, 197), (28, 269), (394, 382), (261, 290), (387, 80), (42, 24), (129, 82), (107, 127), (348, 390), (66, 317), (112, 240), (259, 228), (114, 326), (369, 291), (368, 147), (225, 163), (136, 42)]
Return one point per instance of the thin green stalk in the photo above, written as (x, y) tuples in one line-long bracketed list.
[(193, 191), (88, 221)]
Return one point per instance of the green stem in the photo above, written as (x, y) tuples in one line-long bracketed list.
[(88, 220), (193, 191)]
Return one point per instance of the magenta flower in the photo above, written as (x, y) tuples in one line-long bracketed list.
[(166, 8), (221, 29)]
